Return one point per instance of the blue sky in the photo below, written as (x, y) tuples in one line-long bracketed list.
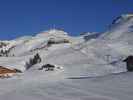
[(28, 17)]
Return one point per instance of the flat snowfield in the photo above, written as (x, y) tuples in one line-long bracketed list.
[(40, 85)]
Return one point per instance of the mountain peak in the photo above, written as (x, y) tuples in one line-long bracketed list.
[(55, 32), (122, 18), (121, 28)]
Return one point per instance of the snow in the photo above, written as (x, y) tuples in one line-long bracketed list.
[(88, 70), (120, 30)]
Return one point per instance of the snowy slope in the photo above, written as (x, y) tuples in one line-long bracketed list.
[(26, 47), (91, 70)]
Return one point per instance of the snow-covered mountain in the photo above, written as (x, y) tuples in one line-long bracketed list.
[(115, 43), (111, 46), (90, 55), (121, 29), (24, 48)]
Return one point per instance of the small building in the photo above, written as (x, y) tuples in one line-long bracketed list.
[(6, 72), (47, 67), (129, 62)]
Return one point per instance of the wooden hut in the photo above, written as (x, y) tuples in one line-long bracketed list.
[(6, 72)]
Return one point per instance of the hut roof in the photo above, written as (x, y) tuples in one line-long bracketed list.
[(4, 70)]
